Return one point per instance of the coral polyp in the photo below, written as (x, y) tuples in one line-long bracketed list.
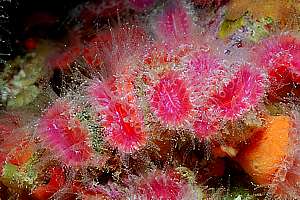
[(122, 123), (64, 134), (162, 185), (173, 24), (278, 55), (170, 100), (241, 94)]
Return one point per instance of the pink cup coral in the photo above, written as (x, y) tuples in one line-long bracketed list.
[(124, 126), (241, 94), (170, 100), (279, 55), (65, 135), (120, 46), (167, 185), (173, 25)]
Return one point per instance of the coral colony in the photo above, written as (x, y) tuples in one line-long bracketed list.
[(157, 100)]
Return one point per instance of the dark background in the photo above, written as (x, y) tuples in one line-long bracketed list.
[(23, 19)]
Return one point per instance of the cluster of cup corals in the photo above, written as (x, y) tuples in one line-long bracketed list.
[(140, 83)]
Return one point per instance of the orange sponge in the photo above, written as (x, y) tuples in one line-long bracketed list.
[(263, 156)]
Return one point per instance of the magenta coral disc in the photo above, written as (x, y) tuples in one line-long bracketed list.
[(280, 51), (170, 100), (173, 24), (121, 121), (163, 185), (242, 93), (64, 134)]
